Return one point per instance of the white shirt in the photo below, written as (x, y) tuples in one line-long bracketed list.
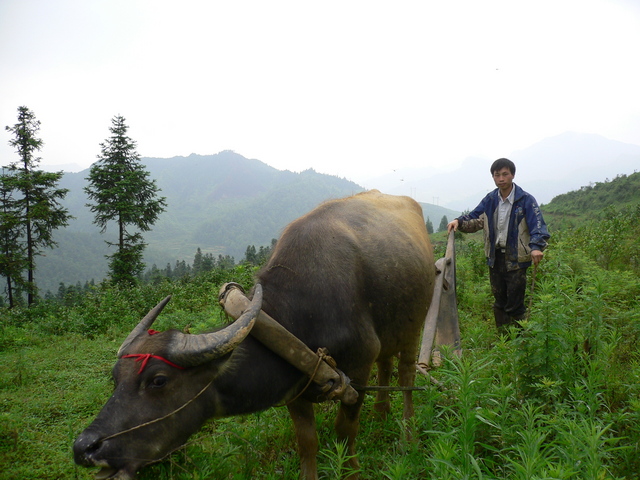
[(502, 218)]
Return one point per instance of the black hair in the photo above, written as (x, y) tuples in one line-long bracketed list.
[(501, 163)]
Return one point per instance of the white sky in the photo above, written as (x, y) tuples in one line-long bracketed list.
[(349, 88)]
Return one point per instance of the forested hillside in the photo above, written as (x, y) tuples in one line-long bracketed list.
[(602, 219), (222, 203), (593, 199), (219, 203)]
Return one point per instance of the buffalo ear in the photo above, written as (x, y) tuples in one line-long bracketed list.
[(143, 326)]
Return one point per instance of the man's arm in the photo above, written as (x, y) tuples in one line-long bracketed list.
[(466, 225), (538, 232)]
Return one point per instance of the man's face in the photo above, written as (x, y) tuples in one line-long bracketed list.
[(503, 179)]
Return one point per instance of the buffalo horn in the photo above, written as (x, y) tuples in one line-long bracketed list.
[(143, 326), (191, 350)]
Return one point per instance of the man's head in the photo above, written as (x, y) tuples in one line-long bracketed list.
[(503, 163), (503, 170)]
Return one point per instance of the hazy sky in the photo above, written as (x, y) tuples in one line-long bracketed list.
[(338, 86)]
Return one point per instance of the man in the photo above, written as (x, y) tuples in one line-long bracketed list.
[(515, 235)]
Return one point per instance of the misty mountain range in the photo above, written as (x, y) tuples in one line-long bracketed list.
[(224, 202), (219, 203), (551, 167)]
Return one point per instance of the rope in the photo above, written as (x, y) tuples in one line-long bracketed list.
[(322, 355), (281, 266), (160, 418), (385, 388), (144, 358)]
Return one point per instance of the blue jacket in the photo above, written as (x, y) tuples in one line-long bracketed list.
[(527, 230)]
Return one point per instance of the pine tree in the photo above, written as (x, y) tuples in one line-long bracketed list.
[(429, 226), (225, 263), (208, 262), (181, 270), (443, 224), (197, 262), (122, 192), (13, 257), (37, 199), (250, 255)]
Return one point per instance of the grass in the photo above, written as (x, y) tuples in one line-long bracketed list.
[(559, 401), (50, 387)]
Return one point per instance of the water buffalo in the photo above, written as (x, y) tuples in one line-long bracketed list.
[(354, 275)]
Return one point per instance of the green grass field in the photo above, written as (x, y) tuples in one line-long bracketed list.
[(560, 401)]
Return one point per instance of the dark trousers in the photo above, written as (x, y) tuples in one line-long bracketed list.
[(508, 287)]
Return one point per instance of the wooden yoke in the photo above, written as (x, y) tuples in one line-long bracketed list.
[(334, 383), (441, 325)]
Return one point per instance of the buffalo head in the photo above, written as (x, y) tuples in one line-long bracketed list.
[(161, 395)]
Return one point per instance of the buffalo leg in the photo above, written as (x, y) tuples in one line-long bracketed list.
[(406, 378), (304, 422), (383, 403), (347, 423)]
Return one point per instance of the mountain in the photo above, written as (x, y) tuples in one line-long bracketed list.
[(224, 202), (551, 167), (219, 203)]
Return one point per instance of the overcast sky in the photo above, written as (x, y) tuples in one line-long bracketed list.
[(348, 88)]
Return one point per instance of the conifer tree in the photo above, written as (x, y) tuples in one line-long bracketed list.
[(443, 224), (122, 192), (250, 255), (37, 196), (197, 262), (208, 262), (13, 257), (429, 226)]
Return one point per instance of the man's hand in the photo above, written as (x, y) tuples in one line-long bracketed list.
[(452, 225), (536, 256)]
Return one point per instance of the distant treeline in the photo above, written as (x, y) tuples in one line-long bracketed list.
[(206, 262), (202, 263)]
